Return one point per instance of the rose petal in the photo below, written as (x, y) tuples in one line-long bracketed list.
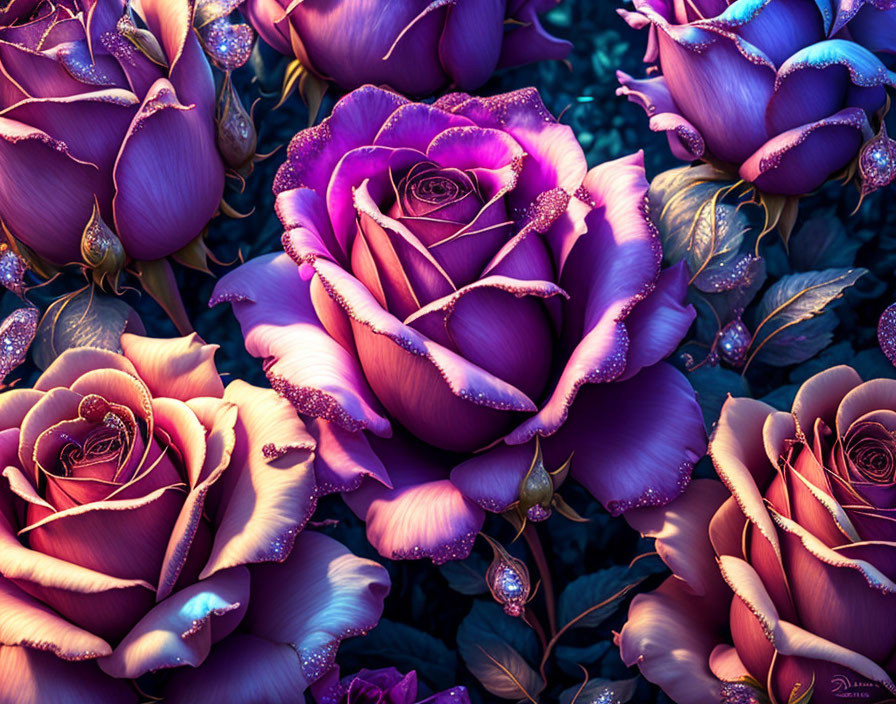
[(471, 42), (268, 492), (670, 635), (653, 95), (77, 361), (65, 192), (181, 630), (324, 593), (820, 396), (682, 539), (799, 160), (659, 323), (30, 676), (243, 669), (279, 323), (169, 177), (492, 478), (343, 459), (180, 368), (643, 451), (424, 515), (415, 125)]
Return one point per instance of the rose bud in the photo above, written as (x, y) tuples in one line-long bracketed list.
[(412, 46), (237, 137), (783, 93), (783, 573), (102, 251), (457, 283), (113, 105)]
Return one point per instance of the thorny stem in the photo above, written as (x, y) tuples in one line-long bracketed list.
[(530, 534)]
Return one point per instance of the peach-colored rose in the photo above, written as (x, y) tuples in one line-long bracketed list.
[(136, 490)]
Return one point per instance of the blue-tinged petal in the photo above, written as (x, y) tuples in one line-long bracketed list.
[(777, 27), (813, 83), (181, 629), (320, 595), (875, 29)]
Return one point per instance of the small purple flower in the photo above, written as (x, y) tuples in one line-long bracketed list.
[(457, 283), (777, 90), (412, 46), (384, 686)]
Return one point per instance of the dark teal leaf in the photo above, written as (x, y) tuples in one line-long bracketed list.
[(697, 227), (482, 640), (793, 320), (585, 592), (821, 243), (87, 319), (405, 648), (466, 576), (487, 621), (713, 384), (570, 657)]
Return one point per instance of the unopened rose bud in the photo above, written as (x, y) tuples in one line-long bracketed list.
[(101, 250), (237, 138), (536, 489), (144, 40), (507, 579), (877, 162)]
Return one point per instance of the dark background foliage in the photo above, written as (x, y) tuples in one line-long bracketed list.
[(588, 561)]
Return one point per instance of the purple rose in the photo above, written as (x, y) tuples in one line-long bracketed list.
[(384, 686), (413, 46), (456, 284), (95, 109), (773, 89)]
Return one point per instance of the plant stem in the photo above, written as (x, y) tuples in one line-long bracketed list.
[(531, 536), (532, 620)]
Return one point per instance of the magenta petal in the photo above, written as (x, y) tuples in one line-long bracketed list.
[(800, 160), (243, 669), (471, 42), (415, 125), (279, 323), (670, 635), (653, 95), (643, 450), (354, 122), (607, 270), (29, 676), (555, 159), (492, 478), (425, 515), (342, 459), (659, 323), (263, 15), (322, 593), (49, 203), (169, 177), (181, 629)]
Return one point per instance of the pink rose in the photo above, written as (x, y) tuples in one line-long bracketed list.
[(784, 578)]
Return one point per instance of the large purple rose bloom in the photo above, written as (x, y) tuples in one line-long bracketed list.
[(781, 91), (457, 282), (413, 46), (96, 109)]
